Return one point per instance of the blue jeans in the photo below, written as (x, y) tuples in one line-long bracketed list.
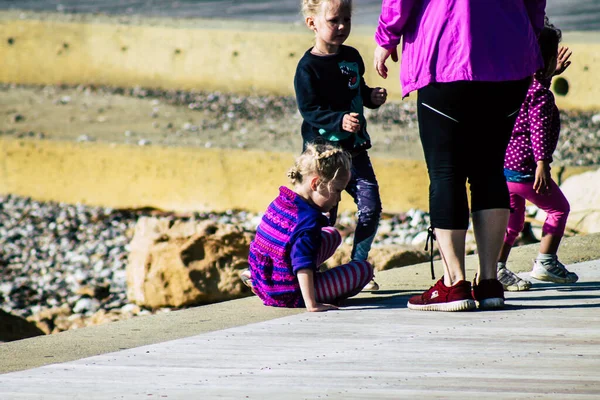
[(364, 189)]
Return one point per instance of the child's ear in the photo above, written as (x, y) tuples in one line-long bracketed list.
[(310, 23), (314, 183)]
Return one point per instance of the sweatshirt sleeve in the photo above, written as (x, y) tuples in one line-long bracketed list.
[(393, 18), (365, 90), (536, 9), (304, 250), (543, 141), (312, 112)]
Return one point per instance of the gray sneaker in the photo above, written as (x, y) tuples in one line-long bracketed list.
[(512, 282), (552, 271), (371, 286)]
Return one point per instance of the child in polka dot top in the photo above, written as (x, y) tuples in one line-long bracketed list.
[(527, 170)]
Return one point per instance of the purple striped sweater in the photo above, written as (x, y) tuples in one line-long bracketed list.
[(287, 240)]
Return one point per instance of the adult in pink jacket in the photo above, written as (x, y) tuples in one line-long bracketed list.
[(470, 62)]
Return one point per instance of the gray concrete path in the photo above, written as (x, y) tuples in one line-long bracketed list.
[(545, 344)]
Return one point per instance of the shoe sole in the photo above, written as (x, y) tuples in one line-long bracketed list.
[(493, 303), (516, 288), (246, 280), (552, 278), (371, 287), (460, 305)]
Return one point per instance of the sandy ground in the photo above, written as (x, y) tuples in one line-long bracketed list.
[(183, 119)]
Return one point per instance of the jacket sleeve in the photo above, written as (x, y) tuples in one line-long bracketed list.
[(304, 250), (536, 9), (543, 141), (365, 90), (307, 99), (393, 18)]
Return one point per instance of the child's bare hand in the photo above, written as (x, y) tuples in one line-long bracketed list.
[(562, 60), (378, 96), (541, 185), (351, 123), (319, 307)]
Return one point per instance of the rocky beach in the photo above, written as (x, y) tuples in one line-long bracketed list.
[(63, 265)]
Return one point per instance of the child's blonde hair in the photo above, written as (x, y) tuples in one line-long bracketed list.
[(310, 8), (324, 160)]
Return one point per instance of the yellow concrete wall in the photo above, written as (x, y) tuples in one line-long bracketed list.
[(583, 76), (179, 179), (204, 55)]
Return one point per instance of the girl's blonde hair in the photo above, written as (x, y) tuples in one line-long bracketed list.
[(324, 160), (310, 8)]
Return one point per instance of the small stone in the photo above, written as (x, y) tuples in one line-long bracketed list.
[(17, 118), (84, 138), (86, 305)]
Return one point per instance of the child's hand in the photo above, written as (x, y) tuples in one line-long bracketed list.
[(319, 307), (306, 279), (562, 60), (541, 185), (351, 122), (378, 96)]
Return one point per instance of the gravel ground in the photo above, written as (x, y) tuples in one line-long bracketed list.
[(175, 118), (65, 265)]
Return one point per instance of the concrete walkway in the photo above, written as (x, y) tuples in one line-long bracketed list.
[(545, 344)]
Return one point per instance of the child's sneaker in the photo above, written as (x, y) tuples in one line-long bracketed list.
[(442, 298), (552, 271), (489, 293), (246, 278), (511, 281), (372, 286)]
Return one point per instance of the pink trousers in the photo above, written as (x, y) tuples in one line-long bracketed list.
[(555, 204), (343, 281)]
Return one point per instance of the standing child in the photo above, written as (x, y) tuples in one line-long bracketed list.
[(294, 238), (331, 93), (527, 170)]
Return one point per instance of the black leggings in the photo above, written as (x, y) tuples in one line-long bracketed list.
[(465, 128)]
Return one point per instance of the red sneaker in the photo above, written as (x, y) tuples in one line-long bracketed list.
[(489, 293), (439, 297)]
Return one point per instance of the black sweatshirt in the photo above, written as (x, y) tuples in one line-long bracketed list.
[(327, 88)]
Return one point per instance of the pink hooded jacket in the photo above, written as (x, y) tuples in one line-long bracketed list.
[(457, 40)]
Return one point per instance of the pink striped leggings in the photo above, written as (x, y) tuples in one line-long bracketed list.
[(341, 282), (554, 204)]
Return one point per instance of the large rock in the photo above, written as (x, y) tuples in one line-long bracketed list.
[(177, 264), (583, 193), (13, 328)]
